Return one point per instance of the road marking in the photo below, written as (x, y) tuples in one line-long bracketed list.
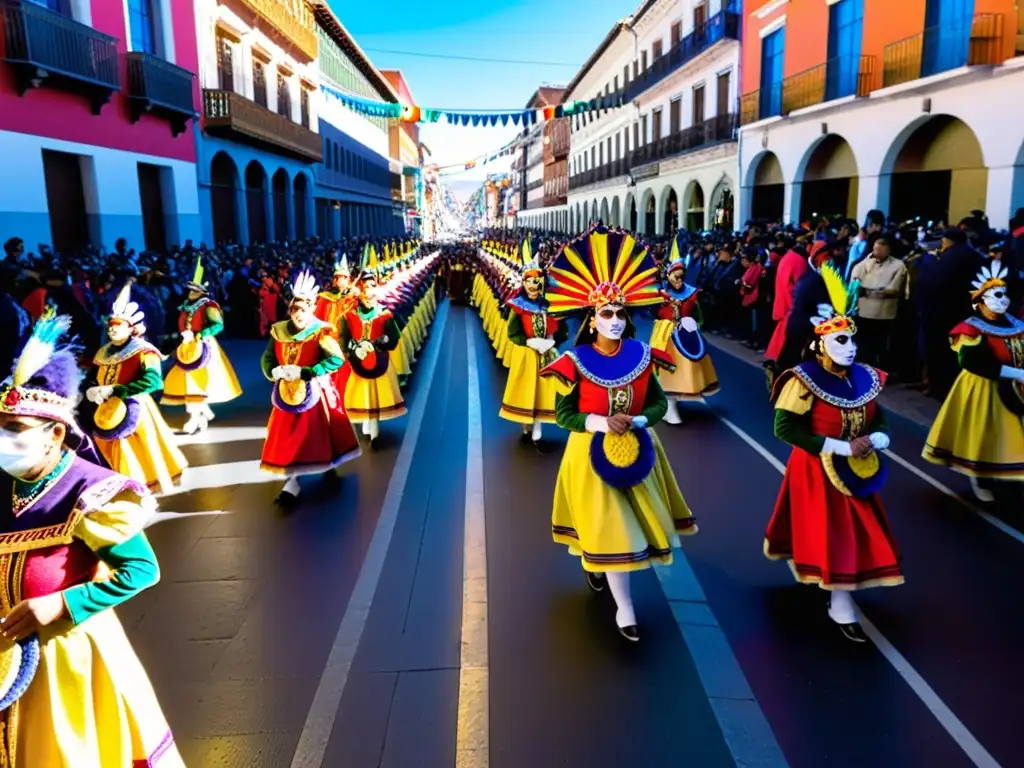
[(973, 748), (215, 435), (225, 475), (316, 732), (473, 732)]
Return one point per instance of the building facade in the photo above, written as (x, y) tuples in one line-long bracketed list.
[(539, 203), (258, 71), (667, 158), (912, 108), (355, 179), (98, 145), (404, 144)]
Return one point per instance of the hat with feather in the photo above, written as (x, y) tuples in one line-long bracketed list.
[(196, 284), (125, 310), (305, 287)]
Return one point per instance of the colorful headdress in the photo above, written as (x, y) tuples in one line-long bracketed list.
[(987, 279), (196, 284), (305, 287), (675, 259), (530, 264), (602, 267), (838, 315), (341, 267), (46, 376), (370, 265), (125, 310)]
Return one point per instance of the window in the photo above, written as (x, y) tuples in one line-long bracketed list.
[(225, 64), (284, 97), (947, 35), (656, 126), (636, 135), (57, 6), (636, 69), (700, 15), (625, 75), (656, 50), (845, 25), (616, 83), (677, 33), (698, 104), (259, 82), (618, 146), (643, 129), (675, 115), (304, 108), (724, 86), (643, 61), (773, 51), (141, 26)]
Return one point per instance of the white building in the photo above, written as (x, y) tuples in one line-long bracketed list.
[(545, 168), (667, 158)]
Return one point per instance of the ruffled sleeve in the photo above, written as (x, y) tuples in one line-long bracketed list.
[(563, 370), (965, 335), (793, 396)]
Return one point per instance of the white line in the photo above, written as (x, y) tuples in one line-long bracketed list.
[(215, 435), (473, 731), (947, 719), (226, 475), (316, 732)]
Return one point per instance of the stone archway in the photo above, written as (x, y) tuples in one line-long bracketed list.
[(670, 211), (694, 206), (224, 182), (767, 187), (616, 213), (604, 212), (256, 201), (302, 205), (723, 205), (281, 185), (829, 180)]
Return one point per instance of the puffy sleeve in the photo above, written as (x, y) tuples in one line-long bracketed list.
[(150, 377), (662, 360), (563, 370), (331, 358), (793, 403)]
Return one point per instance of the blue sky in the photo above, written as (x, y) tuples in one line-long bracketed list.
[(513, 29)]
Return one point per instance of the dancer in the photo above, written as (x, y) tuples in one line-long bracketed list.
[(529, 400), (827, 409), (308, 432), (130, 432), (676, 332), (979, 431), (202, 374), (338, 300), (617, 504), (73, 548), (368, 334)]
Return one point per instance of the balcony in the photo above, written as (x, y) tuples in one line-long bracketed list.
[(714, 131), (293, 19), (159, 88), (236, 117), (940, 49), (724, 25), (818, 85), (46, 48)]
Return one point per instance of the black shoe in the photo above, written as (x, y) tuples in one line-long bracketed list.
[(525, 439), (374, 444), (541, 447), (853, 633), (595, 581), (286, 501), (630, 633)]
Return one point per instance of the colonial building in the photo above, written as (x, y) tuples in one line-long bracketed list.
[(667, 158), (405, 151), (912, 108), (260, 102), (355, 180), (96, 146), (544, 172)]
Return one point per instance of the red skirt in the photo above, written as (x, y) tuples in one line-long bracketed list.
[(778, 340), (310, 442), (830, 539), (341, 377)]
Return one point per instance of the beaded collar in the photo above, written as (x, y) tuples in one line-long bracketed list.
[(25, 494)]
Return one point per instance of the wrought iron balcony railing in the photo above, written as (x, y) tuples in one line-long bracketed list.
[(712, 131), (941, 48), (47, 48), (834, 79), (161, 88), (244, 120)]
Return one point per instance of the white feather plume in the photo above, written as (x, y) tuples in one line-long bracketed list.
[(305, 286), (126, 309)]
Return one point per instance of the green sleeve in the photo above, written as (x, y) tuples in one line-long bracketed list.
[(391, 336), (698, 313), (880, 423), (796, 430), (269, 360), (345, 339), (150, 380), (980, 361), (567, 411), (214, 324), (516, 331), (328, 364), (561, 332), (655, 404), (135, 569)]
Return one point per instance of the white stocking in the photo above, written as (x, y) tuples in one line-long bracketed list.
[(366, 427), (672, 414), (374, 429), (982, 494), (841, 609), (618, 582), (291, 485), (538, 429), (526, 429), (206, 412)]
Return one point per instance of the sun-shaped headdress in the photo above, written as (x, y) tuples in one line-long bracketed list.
[(530, 263), (987, 279), (341, 267), (602, 267), (124, 309), (837, 316), (305, 287)]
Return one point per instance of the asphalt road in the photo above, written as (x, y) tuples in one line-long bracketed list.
[(237, 636)]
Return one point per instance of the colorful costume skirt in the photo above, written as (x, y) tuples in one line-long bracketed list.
[(617, 530), (528, 397), (377, 399), (311, 436), (830, 539), (91, 704), (690, 380), (975, 434), (211, 381), (148, 453)]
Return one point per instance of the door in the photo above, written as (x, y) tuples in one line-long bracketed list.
[(724, 86), (152, 198), (845, 29), (675, 115), (773, 49), (698, 105), (947, 35), (656, 127), (65, 199)]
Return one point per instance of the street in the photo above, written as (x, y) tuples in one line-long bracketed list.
[(335, 635)]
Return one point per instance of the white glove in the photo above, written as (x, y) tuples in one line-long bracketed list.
[(879, 440), (277, 373), (838, 447), (291, 372), (100, 394), (363, 349), (545, 345), (597, 423), (187, 336), (537, 345), (688, 324), (639, 422), (1008, 372)]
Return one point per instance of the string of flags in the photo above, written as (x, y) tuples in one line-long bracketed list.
[(509, 149)]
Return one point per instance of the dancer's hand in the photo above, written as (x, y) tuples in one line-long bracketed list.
[(28, 616), (277, 373), (620, 423), (861, 447), (187, 337), (688, 324)]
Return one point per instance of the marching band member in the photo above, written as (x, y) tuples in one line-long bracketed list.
[(130, 432), (202, 374), (617, 504), (829, 522)]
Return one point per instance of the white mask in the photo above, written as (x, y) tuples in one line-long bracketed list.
[(841, 348), (611, 327), (21, 452), (996, 300)]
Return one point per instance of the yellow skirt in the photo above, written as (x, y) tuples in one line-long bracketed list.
[(528, 398), (91, 704), (975, 434), (399, 358), (690, 380), (214, 383), (374, 399), (615, 530), (148, 455)]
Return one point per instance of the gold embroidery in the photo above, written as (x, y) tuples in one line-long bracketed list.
[(37, 538), (107, 374), (620, 399), (854, 422)]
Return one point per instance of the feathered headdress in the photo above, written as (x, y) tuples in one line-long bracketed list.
[(530, 264), (196, 284), (602, 267), (675, 259), (125, 310), (341, 267), (988, 278), (46, 376), (370, 265), (305, 287), (838, 314)]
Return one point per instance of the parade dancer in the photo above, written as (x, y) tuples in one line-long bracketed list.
[(308, 432), (202, 374), (130, 432), (676, 332), (72, 547), (617, 504), (829, 522), (979, 431), (368, 334), (529, 400), (338, 300)]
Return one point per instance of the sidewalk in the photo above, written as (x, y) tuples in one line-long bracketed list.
[(909, 404)]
